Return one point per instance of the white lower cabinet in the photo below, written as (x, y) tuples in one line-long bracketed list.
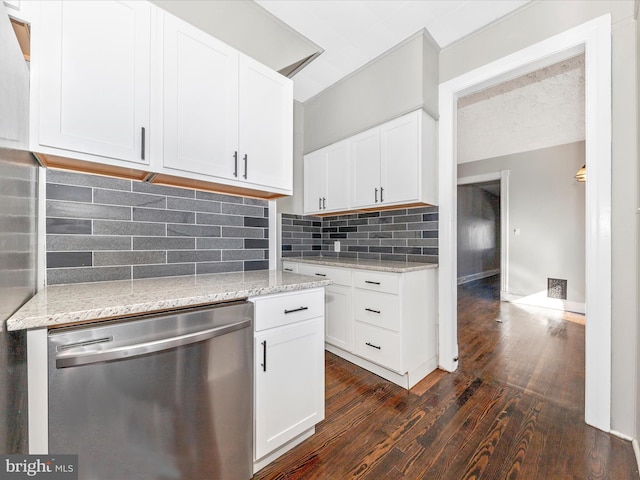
[(288, 371), (338, 303), (382, 321)]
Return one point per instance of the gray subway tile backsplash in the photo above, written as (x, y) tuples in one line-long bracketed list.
[(62, 209), (88, 243), (87, 274), (103, 259), (101, 228), (403, 234), (69, 226)]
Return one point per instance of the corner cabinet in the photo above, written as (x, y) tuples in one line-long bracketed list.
[(391, 165), (338, 303), (90, 79), (288, 371)]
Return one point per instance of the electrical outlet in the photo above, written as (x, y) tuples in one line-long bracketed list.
[(336, 246)]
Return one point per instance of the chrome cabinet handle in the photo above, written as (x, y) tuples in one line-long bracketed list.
[(288, 269), (264, 356), (301, 309), (142, 142), (235, 163), (319, 274), (376, 195), (372, 311), (381, 191), (372, 345), (372, 283), (319, 203), (324, 203), (245, 166)]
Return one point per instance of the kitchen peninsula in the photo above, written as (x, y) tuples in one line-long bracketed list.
[(380, 314)]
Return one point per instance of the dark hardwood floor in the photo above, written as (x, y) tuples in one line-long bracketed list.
[(514, 409)]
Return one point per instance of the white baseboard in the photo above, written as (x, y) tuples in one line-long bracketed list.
[(478, 276), (267, 459), (407, 380), (621, 435), (541, 300)]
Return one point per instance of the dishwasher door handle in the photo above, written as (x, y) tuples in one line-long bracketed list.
[(127, 351)]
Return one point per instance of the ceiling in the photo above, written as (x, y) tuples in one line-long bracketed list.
[(353, 32)]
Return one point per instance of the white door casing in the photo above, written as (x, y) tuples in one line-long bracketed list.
[(594, 38)]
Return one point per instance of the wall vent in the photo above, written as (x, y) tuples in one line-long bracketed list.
[(557, 288)]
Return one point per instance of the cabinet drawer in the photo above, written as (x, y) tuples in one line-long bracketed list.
[(283, 309), (376, 281), (340, 276), (380, 309), (378, 345)]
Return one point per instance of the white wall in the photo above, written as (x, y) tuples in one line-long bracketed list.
[(295, 203), (536, 22), (401, 80), (547, 206), (637, 99)]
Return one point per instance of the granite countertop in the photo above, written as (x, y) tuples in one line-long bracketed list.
[(87, 302), (376, 265)]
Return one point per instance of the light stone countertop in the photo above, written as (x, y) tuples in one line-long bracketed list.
[(88, 302), (375, 265)]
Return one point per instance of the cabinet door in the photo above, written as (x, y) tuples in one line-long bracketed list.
[(315, 181), (339, 317), (289, 379), (365, 168), (200, 101), (93, 61), (337, 159), (266, 126), (400, 160)]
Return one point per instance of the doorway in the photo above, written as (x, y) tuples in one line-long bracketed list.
[(594, 39)]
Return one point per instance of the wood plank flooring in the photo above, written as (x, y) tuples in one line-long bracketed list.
[(513, 410)]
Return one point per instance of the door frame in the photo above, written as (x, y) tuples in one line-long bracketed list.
[(594, 39), (503, 176)]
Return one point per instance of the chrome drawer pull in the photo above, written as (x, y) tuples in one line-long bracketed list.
[(319, 274), (264, 356), (372, 345), (296, 310), (372, 283), (372, 311), (288, 269)]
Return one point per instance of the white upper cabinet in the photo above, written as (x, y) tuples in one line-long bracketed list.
[(265, 126), (199, 93), (400, 160), (91, 65), (116, 82), (315, 181), (326, 179), (365, 168), (224, 114), (393, 164)]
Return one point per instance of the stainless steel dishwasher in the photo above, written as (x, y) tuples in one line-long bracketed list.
[(157, 397)]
